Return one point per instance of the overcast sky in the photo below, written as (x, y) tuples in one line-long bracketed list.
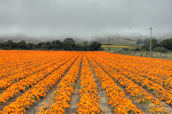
[(85, 18)]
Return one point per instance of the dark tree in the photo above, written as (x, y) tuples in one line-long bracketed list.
[(21, 45), (56, 44), (167, 44), (9, 45), (85, 46), (69, 44), (95, 46), (30, 46), (147, 44)]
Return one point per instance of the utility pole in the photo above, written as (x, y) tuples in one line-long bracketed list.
[(109, 43), (150, 40)]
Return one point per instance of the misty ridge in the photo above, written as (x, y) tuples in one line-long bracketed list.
[(114, 39)]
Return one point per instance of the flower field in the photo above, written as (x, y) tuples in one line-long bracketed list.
[(48, 82)]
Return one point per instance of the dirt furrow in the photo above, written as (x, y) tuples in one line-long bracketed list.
[(20, 94), (140, 106), (75, 97), (103, 100), (48, 100)]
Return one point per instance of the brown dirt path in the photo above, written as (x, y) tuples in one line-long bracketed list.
[(75, 97), (103, 100), (140, 106), (48, 100)]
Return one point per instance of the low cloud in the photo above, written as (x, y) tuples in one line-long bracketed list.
[(85, 18)]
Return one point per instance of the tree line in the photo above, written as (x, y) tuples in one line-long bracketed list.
[(161, 46), (68, 44)]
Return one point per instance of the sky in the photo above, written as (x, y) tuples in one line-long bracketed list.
[(85, 18)]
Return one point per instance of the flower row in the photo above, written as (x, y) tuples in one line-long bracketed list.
[(6, 82), (155, 88), (28, 82), (89, 101), (152, 104), (62, 96), (17, 63), (116, 96), (38, 91)]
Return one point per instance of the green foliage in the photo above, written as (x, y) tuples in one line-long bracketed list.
[(167, 44), (147, 44), (164, 46), (160, 49), (95, 46), (21, 45), (67, 44)]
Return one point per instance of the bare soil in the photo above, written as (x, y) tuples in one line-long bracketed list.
[(103, 100), (48, 100), (142, 107), (75, 97)]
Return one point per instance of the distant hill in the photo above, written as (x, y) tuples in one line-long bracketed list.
[(114, 39), (117, 40)]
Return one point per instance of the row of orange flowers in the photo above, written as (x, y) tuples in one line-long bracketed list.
[(6, 82), (89, 100), (14, 62), (6, 72), (28, 82), (152, 104), (158, 71), (116, 96), (135, 76), (62, 96), (155, 88), (8, 60), (38, 91)]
